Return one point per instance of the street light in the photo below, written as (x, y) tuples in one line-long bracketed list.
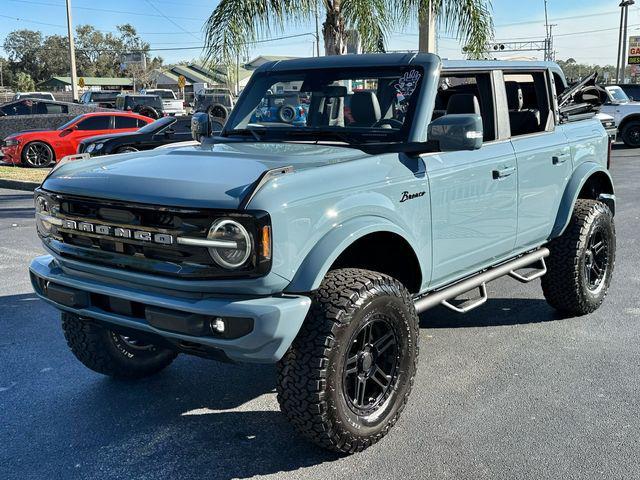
[(622, 39)]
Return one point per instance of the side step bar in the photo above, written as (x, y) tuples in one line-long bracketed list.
[(480, 280)]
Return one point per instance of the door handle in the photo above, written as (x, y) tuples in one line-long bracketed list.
[(503, 172), (558, 159)]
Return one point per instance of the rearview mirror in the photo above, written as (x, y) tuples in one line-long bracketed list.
[(456, 132)]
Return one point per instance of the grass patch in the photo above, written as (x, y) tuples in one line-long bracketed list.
[(23, 174)]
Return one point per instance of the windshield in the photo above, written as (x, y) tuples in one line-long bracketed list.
[(157, 125), (344, 105), (165, 94), (103, 95), (618, 95), (150, 100)]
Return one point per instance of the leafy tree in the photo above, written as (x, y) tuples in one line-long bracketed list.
[(234, 23), (24, 82), (24, 49), (54, 57)]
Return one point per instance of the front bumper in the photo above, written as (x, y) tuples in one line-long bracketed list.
[(276, 319), (10, 154)]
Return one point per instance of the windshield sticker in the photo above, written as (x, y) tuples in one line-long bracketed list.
[(408, 82)]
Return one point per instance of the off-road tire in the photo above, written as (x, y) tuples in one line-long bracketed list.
[(565, 285), (147, 111), (630, 134), (311, 388), (218, 110), (286, 114), (105, 352)]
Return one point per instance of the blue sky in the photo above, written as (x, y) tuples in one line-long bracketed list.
[(586, 29)]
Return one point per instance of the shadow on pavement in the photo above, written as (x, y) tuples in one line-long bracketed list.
[(17, 213), (196, 419), (496, 312)]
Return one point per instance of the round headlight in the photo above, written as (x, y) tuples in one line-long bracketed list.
[(238, 250), (90, 148), (99, 146)]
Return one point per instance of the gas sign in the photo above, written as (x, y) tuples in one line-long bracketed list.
[(634, 51)]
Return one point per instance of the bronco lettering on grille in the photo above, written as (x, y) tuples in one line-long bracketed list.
[(119, 232)]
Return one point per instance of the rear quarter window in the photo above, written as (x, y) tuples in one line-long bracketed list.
[(126, 122)]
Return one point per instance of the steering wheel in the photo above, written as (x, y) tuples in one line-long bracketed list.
[(391, 122)]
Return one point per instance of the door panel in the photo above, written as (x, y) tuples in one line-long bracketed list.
[(544, 167), (474, 208)]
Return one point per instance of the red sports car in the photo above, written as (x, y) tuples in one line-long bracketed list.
[(39, 148)]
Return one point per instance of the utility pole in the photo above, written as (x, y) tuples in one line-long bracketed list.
[(547, 32), (237, 73), (427, 30), (317, 33), (622, 40), (72, 54)]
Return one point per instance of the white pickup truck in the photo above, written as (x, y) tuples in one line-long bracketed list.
[(171, 105), (626, 114)]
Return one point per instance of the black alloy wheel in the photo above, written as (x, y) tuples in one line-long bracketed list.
[(37, 154), (370, 366)]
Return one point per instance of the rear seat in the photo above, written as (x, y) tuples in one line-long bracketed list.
[(522, 121)]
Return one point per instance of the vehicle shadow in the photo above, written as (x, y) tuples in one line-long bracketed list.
[(496, 312), (196, 419), (17, 212)]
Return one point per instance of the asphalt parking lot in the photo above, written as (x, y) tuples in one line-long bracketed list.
[(510, 390)]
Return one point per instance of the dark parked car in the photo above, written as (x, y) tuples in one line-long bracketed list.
[(146, 105), (102, 98), (30, 106), (161, 132)]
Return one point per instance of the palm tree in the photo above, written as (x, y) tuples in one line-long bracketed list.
[(234, 24)]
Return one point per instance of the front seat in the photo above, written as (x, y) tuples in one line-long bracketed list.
[(463, 103), (522, 121), (365, 109)]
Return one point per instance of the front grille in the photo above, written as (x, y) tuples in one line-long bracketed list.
[(173, 259)]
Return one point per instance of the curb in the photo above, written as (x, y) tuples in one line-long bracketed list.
[(18, 185)]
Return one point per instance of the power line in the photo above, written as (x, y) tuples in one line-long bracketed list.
[(103, 10), (180, 27)]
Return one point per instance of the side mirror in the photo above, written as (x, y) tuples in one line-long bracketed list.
[(456, 132), (200, 126)]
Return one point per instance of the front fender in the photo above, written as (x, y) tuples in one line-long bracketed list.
[(578, 179), (318, 262)]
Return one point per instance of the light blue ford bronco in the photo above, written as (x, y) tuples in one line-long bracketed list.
[(413, 182)]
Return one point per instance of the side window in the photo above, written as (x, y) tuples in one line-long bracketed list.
[(528, 102), (126, 122), (467, 93), (141, 123), (55, 108), (102, 122), (182, 125)]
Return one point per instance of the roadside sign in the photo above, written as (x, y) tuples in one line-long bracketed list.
[(81, 82), (634, 51), (181, 82)]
